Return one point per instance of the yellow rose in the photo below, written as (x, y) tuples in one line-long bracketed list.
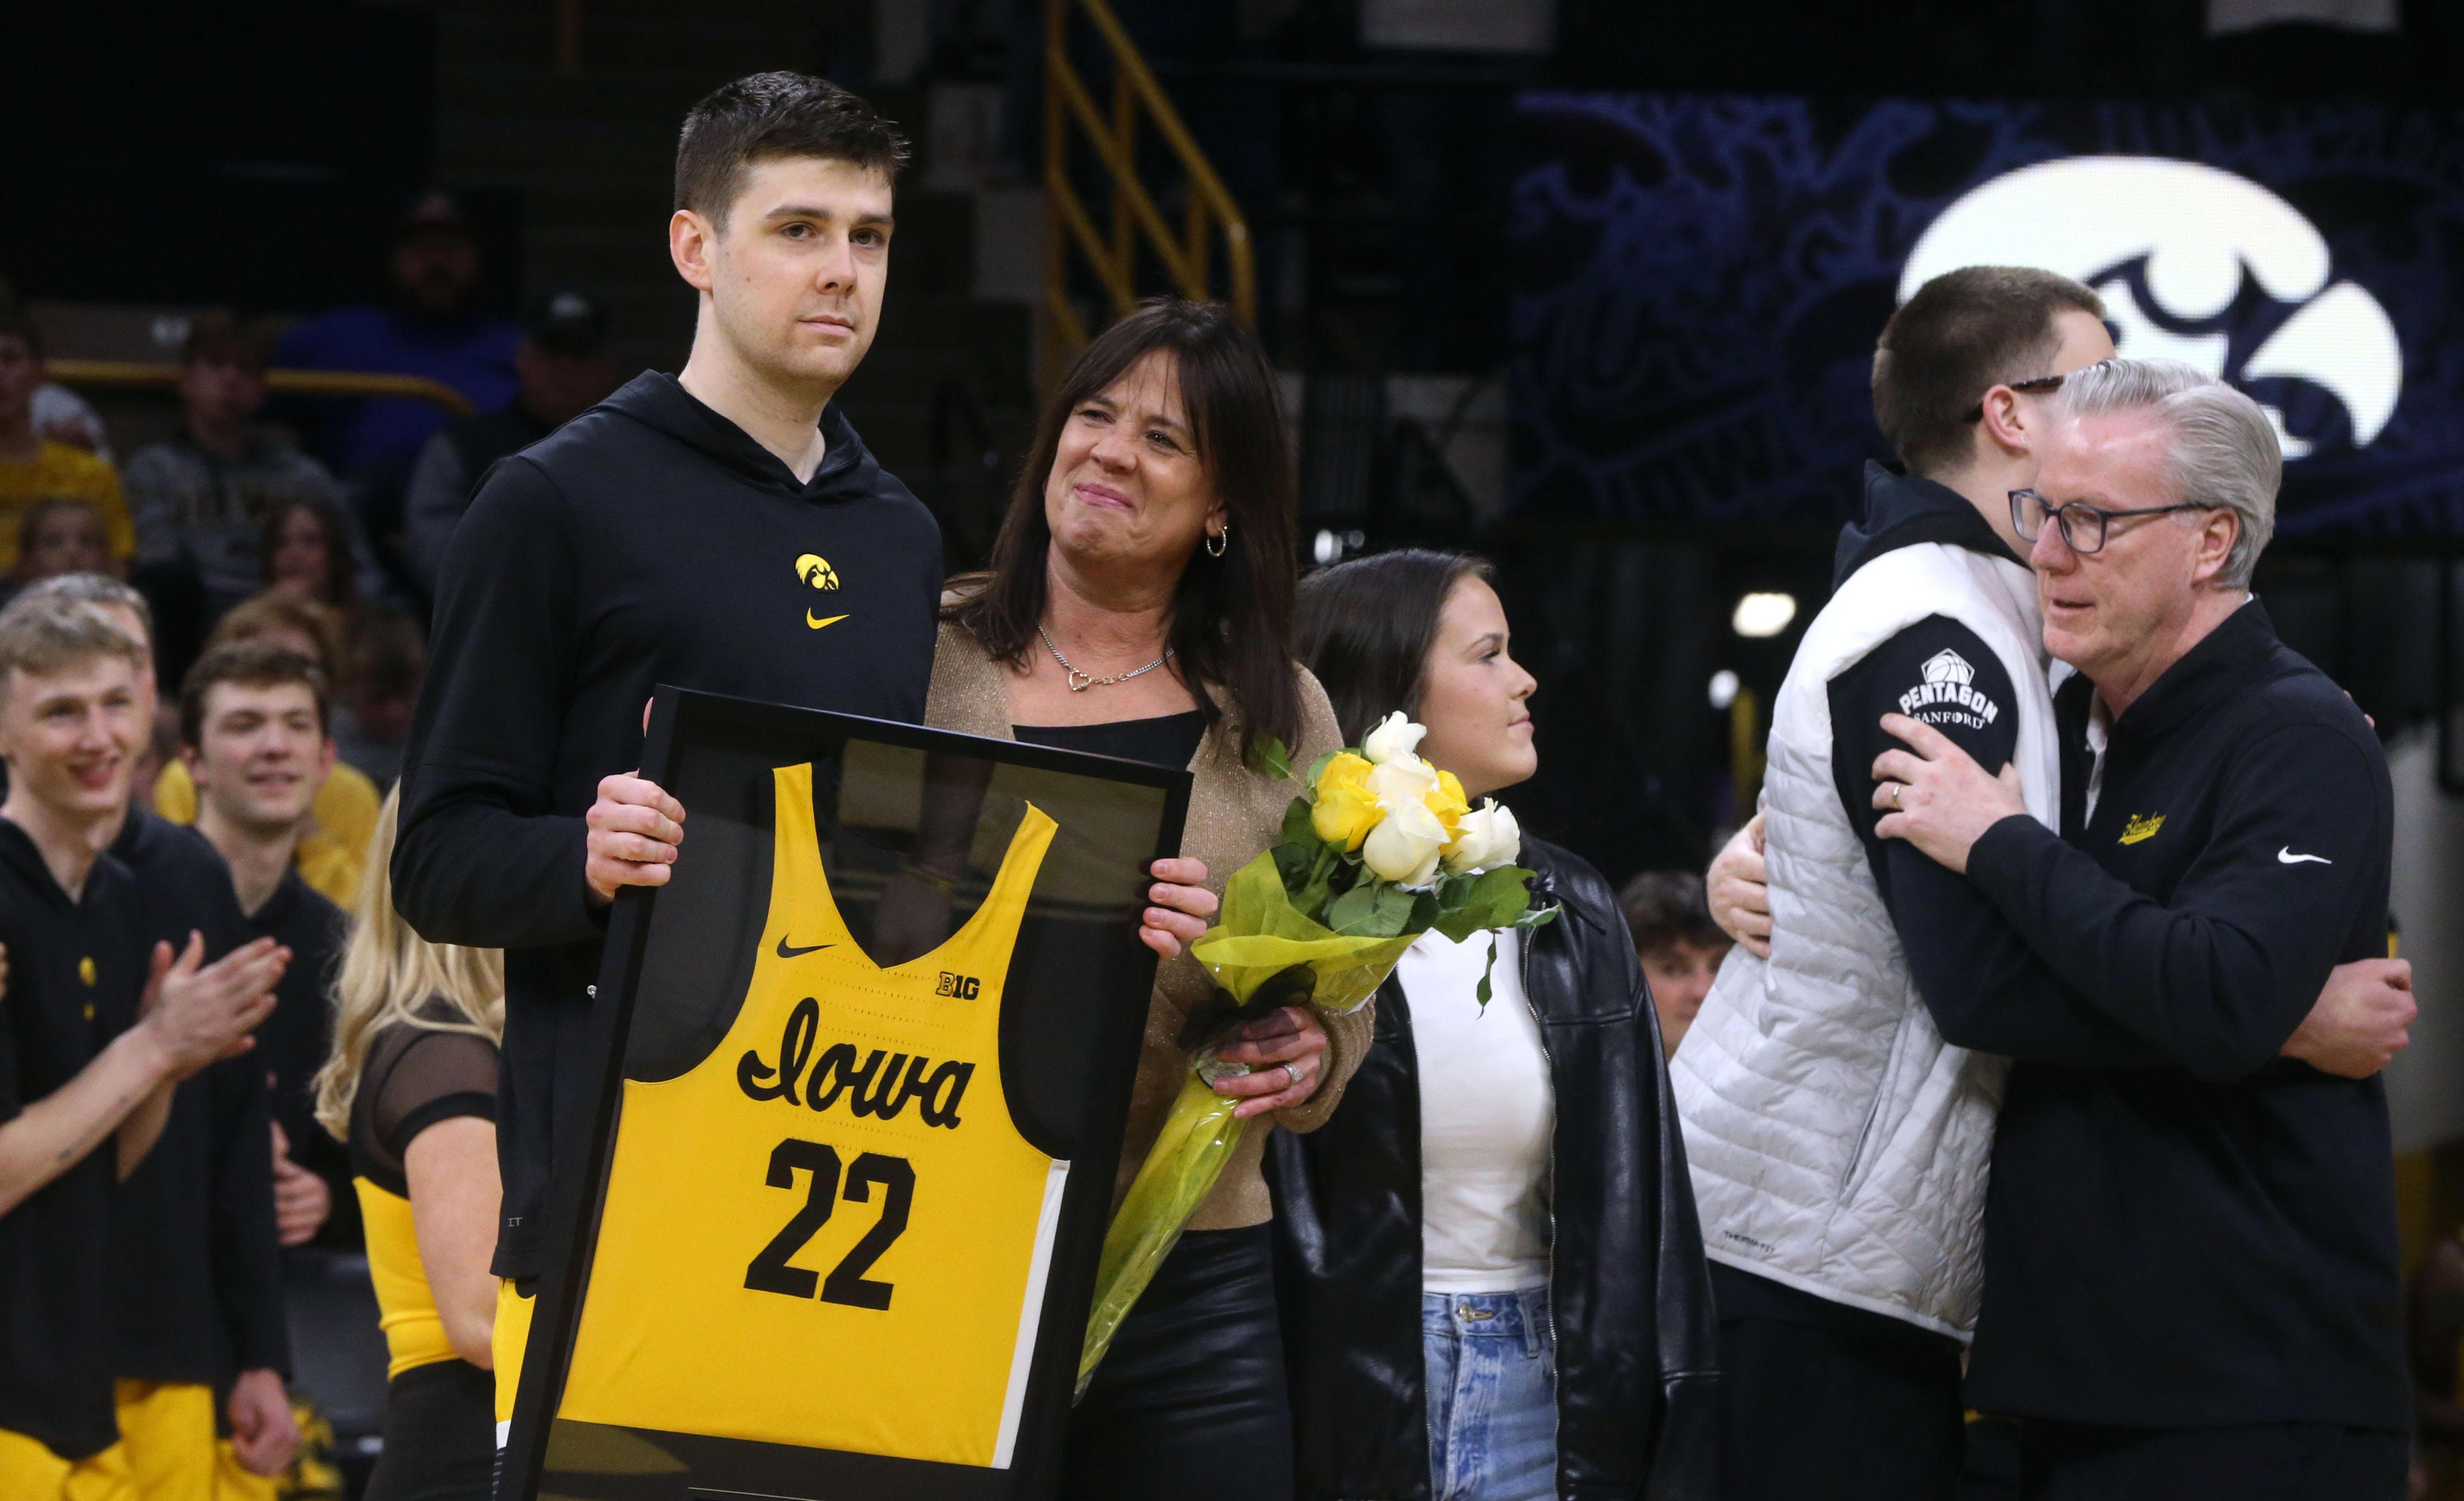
[(1346, 808), (1449, 804)]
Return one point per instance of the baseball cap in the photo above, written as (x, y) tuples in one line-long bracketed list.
[(566, 322)]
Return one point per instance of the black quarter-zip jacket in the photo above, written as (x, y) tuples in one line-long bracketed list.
[(649, 540), (2208, 1237)]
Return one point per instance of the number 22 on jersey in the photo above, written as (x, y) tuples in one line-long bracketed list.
[(829, 1233)]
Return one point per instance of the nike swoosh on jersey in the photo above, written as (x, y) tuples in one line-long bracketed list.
[(785, 952), (827, 620), (2286, 857)]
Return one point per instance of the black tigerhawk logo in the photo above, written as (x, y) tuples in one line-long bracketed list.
[(965, 987)]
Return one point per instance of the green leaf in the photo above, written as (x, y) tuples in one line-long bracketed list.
[(1394, 907), (1480, 992), (1350, 913), (1297, 827), (1270, 755), (1497, 899)]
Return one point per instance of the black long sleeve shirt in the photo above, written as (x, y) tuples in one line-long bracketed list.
[(2207, 1237), (648, 541), (74, 975), (195, 1257)]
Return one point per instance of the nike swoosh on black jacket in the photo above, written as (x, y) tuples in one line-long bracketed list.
[(649, 540), (2209, 1238)]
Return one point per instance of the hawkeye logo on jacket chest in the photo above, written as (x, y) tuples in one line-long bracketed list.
[(815, 569), (1948, 695)]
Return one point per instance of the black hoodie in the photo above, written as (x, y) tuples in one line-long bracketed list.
[(649, 540)]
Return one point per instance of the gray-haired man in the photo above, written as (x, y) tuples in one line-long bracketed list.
[(2190, 1283)]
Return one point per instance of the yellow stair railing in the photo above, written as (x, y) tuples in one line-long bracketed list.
[(1112, 253)]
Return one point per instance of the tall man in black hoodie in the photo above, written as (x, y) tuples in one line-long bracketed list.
[(723, 529)]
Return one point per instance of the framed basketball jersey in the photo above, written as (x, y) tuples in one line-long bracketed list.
[(858, 1082)]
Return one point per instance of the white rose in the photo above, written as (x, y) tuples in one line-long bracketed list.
[(1404, 779), (1488, 837), (1404, 848), (1394, 736)]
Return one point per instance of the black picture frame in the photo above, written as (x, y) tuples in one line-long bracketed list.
[(687, 733)]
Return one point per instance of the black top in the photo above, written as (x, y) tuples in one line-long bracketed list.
[(74, 981), (481, 441), (2209, 1239), (648, 541), (1635, 1346), (1165, 740), (194, 1251), (413, 1077), (290, 1044)]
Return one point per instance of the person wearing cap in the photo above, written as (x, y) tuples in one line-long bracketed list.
[(564, 370), (428, 326)]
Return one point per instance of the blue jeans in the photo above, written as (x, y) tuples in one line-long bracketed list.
[(1492, 1396)]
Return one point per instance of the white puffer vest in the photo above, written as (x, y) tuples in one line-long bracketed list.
[(1839, 1145)]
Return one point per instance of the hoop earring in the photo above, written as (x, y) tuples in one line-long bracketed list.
[(1218, 543)]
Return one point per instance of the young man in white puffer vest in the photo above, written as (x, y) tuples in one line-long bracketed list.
[(1839, 1145)]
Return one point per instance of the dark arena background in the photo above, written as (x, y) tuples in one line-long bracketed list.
[(1588, 286)]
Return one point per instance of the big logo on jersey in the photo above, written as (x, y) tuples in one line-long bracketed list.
[(2195, 238)]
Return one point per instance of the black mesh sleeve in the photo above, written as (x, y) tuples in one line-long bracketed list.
[(423, 1077)]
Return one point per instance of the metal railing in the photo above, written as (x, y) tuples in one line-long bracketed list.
[(305, 383), (1112, 253)]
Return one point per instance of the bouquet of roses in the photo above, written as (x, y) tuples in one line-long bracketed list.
[(1380, 848)]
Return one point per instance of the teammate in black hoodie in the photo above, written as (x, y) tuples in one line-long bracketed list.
[(722, 529)]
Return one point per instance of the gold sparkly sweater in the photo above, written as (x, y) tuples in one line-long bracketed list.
[(1234, 813)]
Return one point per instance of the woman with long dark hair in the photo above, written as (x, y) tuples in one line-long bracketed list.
[(1492, 1277), (1138, 604), (305, 550)]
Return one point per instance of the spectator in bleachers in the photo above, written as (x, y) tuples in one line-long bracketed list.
[(36, 467), (564, 371), (410, 1086), (389, 660), (63, 537), (1680, 945), (202, 497), (256, 739), (306, 551), (333, 845), (429, 328), (86, 1086), (59, 413)]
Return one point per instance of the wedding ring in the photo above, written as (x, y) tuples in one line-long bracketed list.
[(1293, 1069), (1894, 794)]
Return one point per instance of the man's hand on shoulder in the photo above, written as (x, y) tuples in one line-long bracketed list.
[(2360, 1022), (635, 828), (1935, 796), (1738, 885)]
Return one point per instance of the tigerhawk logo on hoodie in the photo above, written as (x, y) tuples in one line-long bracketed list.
[(816, 569)]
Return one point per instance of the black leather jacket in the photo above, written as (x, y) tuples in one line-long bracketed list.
[(1629, 1291)]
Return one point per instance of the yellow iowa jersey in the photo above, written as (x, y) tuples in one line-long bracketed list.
[(405, 1305), (829, 1232)]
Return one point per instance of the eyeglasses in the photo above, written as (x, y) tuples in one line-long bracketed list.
[(2082, 526), (2035, 387)]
